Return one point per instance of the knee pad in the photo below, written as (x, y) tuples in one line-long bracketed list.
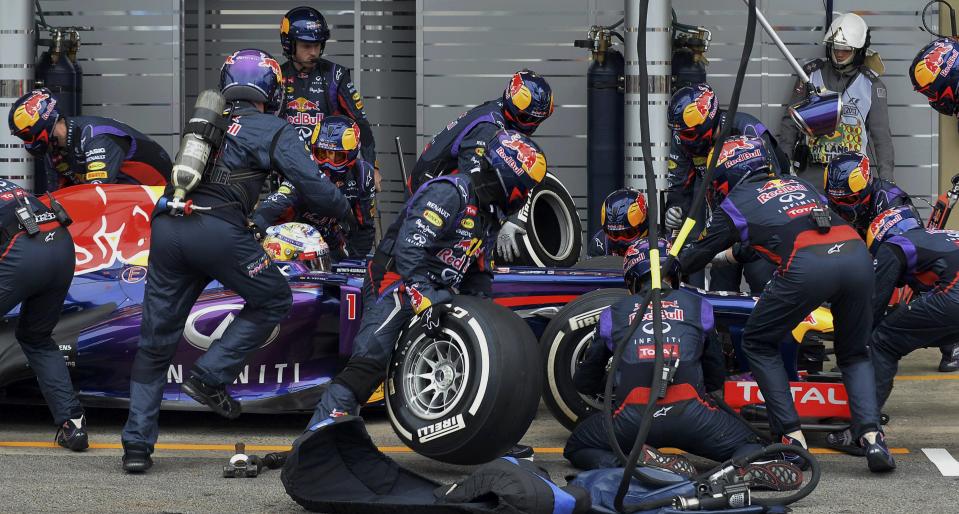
[(361, 376)]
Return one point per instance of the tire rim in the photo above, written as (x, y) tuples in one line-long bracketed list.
[(551, 221), (579, 353), (436, 375)]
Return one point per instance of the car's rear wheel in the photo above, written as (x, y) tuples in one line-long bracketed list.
[(563, 346)]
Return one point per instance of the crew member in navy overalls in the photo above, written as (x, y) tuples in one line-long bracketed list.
[(526, 103), (435, 249), (188, 251), (36, 270), (685, 418), (927, 261), (87, 149), (820, 258), (336, 148)]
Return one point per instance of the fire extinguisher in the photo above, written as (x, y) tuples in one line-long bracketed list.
[(605, 111)]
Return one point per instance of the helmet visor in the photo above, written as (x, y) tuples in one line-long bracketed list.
[(623, 235), (336, 158), (846, 200)]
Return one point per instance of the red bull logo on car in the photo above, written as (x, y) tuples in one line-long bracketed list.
[(111, 224), (935, 62)]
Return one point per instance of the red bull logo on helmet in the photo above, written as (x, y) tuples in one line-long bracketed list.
[(28, 112), (269, 62), (697, 112), (519, 94), (935, 62)]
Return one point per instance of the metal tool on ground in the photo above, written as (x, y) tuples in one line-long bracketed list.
[(250, 466)]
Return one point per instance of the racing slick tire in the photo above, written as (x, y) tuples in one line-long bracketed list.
[(553, 229), (563, 346), (470, 394)]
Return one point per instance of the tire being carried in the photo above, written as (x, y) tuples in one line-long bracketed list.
[(564, 344), (469, 395), (553, 228)]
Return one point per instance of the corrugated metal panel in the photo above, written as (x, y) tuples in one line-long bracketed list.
[(17, 57), (131, 61), (468, 51)]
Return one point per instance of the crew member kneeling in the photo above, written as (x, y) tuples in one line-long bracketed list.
[(820, 257), (623, 220), (683, 419), (435, 248)]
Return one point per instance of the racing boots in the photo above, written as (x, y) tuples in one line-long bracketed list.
[(844, 441), (771, 475), (72, 434), (136, 458), (878, 455), (794, 458), (950, 360), (520, 451), (214, 397), (678, 464)]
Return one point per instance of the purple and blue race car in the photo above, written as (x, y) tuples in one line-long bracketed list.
[(441, 394)]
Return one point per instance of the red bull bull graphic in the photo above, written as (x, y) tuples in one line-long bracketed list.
[(269, 62), (940, 59), (519, 94), (697, 112), (525, 153), (28, 112), (302, 104), (731, 147), (111, 223)]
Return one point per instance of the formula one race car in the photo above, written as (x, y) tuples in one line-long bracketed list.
[(441, 393)]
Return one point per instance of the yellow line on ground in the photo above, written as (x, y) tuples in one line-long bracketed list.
[(928, 377), (280, 448)]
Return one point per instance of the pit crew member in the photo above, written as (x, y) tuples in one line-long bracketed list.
[(623, 220), (685, 418), (526, 103), (36, 270), (188, 251), (695, 120), (928, 261), (435, 249), (314, 87), (336, 147), (819, 257), (87, 149), (864, 123), (858, 195)]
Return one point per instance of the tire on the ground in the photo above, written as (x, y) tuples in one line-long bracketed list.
[(553, 228), (563, 345), (483, 369)]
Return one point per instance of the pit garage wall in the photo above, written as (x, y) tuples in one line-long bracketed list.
[(130, 61), (420, 63), (466, 49)]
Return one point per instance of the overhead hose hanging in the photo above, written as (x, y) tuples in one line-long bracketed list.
[(653, 297)]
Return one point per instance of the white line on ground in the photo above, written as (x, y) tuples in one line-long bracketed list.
[(946, 463)]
